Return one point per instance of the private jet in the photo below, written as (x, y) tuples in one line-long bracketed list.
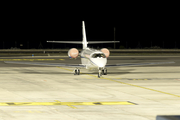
[(90, 58)]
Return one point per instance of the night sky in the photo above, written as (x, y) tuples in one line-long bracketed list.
[(136, 27)]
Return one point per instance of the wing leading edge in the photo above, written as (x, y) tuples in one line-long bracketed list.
[(83, 66), (47, 64), (139, 64)]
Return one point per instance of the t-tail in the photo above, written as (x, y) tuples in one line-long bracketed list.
[(84, 36), (84, 41)]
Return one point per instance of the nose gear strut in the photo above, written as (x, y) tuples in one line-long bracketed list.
[(102, 72)]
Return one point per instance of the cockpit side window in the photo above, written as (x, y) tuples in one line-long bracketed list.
[(98, 55)]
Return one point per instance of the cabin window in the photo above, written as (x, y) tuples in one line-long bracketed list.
[(98, 55)]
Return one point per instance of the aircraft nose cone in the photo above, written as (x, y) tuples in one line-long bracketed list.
[(101, 62)]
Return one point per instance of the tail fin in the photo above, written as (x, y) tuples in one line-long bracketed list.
[(91, 42), (84, 42), (84, 36)]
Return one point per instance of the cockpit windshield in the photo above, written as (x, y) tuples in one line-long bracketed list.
[(98, 55)]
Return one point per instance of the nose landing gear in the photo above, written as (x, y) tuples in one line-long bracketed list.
[(102, 72), (76, 71)]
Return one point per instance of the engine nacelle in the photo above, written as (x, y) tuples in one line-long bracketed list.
[(73, 53), (105, 51)]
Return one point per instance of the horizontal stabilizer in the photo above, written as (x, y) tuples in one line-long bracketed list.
[(74, 42), (94, 42), (80, 42)]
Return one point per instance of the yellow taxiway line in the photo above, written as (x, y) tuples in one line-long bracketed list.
[(142, 87), (128, 84), (64, 103)]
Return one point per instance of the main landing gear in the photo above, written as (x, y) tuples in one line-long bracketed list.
[(102, 72), (76, 71)]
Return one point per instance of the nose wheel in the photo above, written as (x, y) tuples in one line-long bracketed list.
[(99, 74), (102, 72), (76, 71)]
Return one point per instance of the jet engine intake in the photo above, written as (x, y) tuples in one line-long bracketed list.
[(73, 53), (105, 51)]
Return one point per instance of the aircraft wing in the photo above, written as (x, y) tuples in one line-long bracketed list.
[(47, 64), (138, 64)]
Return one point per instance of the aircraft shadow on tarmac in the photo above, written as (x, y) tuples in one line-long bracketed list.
[(110, 72), (118, 72), (84, 73)]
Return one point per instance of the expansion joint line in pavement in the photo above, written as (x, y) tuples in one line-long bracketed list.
[(129, 84)]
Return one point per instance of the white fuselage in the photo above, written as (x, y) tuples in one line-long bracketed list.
[(93, 59)]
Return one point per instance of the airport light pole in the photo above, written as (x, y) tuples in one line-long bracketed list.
[(114, 37)]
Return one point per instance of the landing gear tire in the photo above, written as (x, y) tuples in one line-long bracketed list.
[(104, 72), (76, 72)]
